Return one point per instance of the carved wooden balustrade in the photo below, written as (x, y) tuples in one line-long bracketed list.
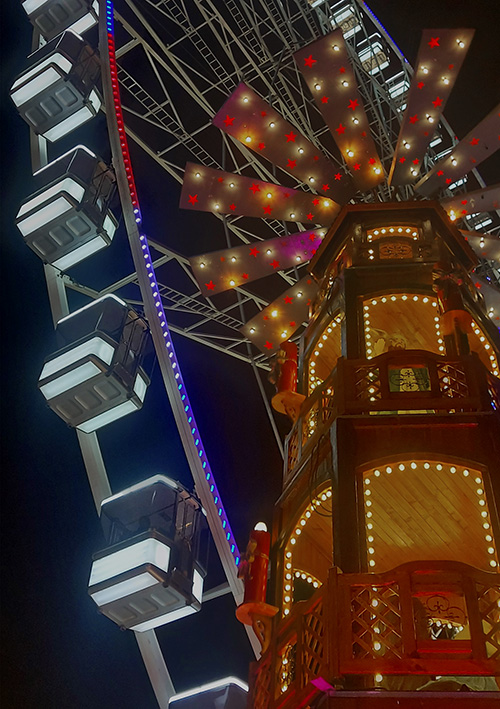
[(421, 618), (397, 382)]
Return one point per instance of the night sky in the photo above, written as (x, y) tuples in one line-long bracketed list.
[(57, 650)]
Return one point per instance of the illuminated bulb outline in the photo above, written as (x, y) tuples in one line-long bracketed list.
[(490, 548), (324, 495)]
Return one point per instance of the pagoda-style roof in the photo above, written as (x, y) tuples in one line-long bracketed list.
[(381, 214)]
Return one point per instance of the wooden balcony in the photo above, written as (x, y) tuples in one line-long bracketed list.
[(419, 619), (398, 382)]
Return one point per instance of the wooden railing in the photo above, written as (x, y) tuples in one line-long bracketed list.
[(402, 381), (422, 618)]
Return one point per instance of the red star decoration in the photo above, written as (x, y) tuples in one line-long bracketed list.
[(310, 216), (420, 85), (220, 179), (292, 164), (193, 198), (402, 159), (263, 113), (210, 286), (254, 188), (324, 99), (439, 173), (342, 70), (232, 207), (268, 209), (474, 141), (275, 263), (363, 134), (245, 275), (290, 137), (426, 133), (309, 61), (222, 258), (316, 157), (326, 187), (311, 237), (437, 102), (416, 161), (451, 66), (228, 121), (266, 317), (464, 201), (353, 104), (464, 211), (413, 119), (341, 129), (254, 252), (434, 42), (288, 299), (338, 176), (372, 161), (448, 180), (315, 202), (286, 195), (357, 166), (292, 323), (262, 146)]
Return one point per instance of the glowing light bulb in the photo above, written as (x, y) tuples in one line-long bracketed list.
[(197, 174), (202, 265), (268, 195), (248, 139), (252, 330), (232, 283), (245, 99), (317, 87), (345, 83), (350, 153), (274, 313), (272, 124)]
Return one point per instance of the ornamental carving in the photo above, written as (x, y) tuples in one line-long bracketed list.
[(395, 249)]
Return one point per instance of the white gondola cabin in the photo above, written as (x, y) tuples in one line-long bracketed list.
[(152, 571), (100, 372), (58, 91), (51, 17), (68, 218)]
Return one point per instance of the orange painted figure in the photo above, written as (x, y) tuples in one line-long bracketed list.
[(455, 320), (254, 610), (284, 376)]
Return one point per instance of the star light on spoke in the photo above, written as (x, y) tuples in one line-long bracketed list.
[(228, 268), (431, 85), (343, 113)]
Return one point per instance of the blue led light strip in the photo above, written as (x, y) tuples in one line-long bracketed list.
[(181, 389)]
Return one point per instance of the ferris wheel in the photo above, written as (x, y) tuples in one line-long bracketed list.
[(185, 73)]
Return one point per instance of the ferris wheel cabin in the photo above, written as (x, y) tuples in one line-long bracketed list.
[(68, 218), (151, 573), (58, 91), (100, 372), (51, 17)]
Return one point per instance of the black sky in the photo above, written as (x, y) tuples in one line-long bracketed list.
[(57, 650)]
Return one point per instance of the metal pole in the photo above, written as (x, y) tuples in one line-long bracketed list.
[(168, 365)]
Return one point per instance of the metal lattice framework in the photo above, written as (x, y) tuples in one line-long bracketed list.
[(177, 63)]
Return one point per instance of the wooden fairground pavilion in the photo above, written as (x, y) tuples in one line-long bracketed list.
[(385, 542)]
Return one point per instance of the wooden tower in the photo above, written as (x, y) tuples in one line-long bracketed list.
[(386, 536)]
